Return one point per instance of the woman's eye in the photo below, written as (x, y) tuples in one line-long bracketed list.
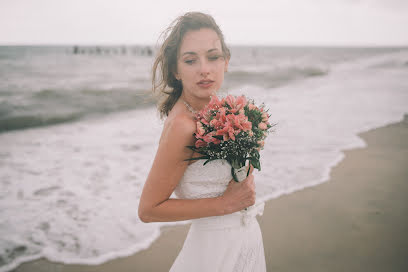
[(189, 61), (214, 57)]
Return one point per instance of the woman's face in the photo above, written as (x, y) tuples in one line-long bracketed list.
[(201, 63)]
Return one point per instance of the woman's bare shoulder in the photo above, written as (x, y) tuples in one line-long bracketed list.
[(179, 126)]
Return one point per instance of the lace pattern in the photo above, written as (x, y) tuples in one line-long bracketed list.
[(203, 181), (251, 255)]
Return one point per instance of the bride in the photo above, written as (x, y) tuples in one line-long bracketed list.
[(223, 236)]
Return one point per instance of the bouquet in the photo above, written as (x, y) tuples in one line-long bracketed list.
[(233, 129)]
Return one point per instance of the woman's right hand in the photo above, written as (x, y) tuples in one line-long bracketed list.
[(239, 195)]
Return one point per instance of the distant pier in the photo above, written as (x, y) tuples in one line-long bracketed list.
[(112, 50)]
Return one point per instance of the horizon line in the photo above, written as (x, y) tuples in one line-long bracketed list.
[(229, 45)]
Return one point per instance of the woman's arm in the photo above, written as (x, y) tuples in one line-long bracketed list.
[(167, 170)]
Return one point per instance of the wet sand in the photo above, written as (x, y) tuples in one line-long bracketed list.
[(357, 221)]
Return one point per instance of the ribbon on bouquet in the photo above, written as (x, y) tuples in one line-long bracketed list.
[(251, 212)]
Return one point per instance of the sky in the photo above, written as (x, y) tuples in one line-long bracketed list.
[(271, 22)]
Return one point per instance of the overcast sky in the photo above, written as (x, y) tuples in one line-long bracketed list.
[(271, 22)]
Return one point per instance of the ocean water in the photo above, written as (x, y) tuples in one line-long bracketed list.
[(78, 134)]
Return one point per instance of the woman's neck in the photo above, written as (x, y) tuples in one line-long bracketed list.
[(196, 104)]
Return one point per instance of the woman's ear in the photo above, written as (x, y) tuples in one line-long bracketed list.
[(226, 65), (176, 76)]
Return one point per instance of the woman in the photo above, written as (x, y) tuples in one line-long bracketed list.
[(223, 236)]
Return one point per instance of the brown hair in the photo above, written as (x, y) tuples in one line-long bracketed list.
[(165, 83)]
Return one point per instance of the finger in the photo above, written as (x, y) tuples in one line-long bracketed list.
[(248, 178), (253, 186)]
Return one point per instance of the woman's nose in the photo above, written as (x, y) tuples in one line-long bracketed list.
[(204, 67)]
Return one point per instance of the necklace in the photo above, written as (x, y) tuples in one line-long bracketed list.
[(190, 108)]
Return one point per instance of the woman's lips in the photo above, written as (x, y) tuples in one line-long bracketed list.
[(205, 83)]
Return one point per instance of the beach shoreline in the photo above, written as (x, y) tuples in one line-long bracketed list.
[(352, 222)]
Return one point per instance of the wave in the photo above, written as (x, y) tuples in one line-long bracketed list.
[(392, 63), (22, 109), (51, 106), (273, 77), (27, 121), (397, 60)]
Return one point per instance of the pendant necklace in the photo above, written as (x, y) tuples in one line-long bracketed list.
[(189, 107)]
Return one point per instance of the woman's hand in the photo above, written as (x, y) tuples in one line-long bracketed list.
[(239, 195)]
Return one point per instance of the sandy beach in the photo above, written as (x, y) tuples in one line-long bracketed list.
[(357, 221)]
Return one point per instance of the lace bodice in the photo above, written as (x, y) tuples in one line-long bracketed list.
[(202, 181), (211, 180)]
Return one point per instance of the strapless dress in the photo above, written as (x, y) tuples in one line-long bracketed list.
[(227, 243)]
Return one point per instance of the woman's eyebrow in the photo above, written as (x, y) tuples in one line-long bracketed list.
[(194, 53), (189, 53), (213, 49)]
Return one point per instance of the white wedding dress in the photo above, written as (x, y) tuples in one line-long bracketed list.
[(228, 243)]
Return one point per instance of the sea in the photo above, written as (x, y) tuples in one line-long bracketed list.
[(79, 130)]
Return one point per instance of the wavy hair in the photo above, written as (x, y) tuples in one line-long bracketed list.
[(164, 83)]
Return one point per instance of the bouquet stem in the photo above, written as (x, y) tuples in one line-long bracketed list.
[(239, 174)]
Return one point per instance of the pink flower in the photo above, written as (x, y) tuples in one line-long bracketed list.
[(241, 122), (227, 132), (246, 125), (241, 102), (215, 102), (235, 103), (261, 143), (214, 123), (230, 100), (200, 143), (221, 115), (216, 141), (208, 138), (265, 117), (262, 126), (204, 121), (252, 106), (200, 128)]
